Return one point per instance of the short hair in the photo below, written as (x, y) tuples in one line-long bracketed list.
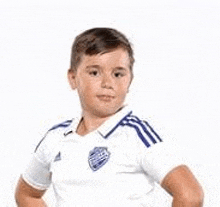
[(99, 41)]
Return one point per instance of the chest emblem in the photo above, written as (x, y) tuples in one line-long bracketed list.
[(98, 157)]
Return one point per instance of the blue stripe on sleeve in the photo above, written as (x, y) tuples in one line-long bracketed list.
[(144, 131), (62, 125), (140, 135), (152, 130)]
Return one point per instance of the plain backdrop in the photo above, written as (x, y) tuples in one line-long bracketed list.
[(176, 85)]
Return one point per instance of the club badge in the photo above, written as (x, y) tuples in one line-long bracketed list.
[(98, 157)]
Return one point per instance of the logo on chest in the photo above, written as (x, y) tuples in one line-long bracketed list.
[(98, 157)]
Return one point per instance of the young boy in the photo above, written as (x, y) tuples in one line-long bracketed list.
[(108, 156)]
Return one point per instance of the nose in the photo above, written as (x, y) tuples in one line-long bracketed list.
[(107, 82)]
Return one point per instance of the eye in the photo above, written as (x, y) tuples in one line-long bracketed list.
[(118, 74), (93, 73)]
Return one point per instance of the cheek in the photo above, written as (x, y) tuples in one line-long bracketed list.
[(86, 88), (124, 86)]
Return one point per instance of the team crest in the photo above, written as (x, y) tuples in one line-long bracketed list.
[(98, 157)]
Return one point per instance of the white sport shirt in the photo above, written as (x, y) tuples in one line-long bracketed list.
[(115, 165)]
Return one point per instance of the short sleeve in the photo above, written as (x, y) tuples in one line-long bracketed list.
[(37, 173), (159, 159)]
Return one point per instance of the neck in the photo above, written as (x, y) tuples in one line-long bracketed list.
[(89, 123)]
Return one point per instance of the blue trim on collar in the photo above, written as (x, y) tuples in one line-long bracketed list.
[(116, 126)]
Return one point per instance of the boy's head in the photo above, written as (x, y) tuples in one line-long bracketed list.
[(101, 70), (99, 41)]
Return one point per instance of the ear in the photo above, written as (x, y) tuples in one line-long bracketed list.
[(72, 78)]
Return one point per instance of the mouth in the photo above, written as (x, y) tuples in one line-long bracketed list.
[(105, 98)]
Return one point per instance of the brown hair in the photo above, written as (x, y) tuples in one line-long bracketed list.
[(99, 40)]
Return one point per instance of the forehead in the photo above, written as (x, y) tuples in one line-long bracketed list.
[(115, 58)]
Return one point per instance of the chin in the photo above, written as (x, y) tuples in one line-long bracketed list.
[(106, 112)]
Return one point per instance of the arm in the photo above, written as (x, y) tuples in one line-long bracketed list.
[(184, 188), (27, 196)]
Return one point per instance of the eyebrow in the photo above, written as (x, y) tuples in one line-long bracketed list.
[(99, 67), (93, 66), (120, 68)]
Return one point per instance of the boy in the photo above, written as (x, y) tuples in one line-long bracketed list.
[(108, 156)]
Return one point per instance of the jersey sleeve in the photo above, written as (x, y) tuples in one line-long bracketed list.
[(156, 156), (37, 173), (159, 159)]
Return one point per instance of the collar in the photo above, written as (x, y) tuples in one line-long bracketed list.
[(108, 127), (73, 126), (111, 124)]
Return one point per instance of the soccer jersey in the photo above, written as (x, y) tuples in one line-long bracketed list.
[(114, 165)]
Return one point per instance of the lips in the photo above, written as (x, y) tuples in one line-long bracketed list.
[(106, 98)]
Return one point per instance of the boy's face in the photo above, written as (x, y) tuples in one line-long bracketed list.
[(102, 82)]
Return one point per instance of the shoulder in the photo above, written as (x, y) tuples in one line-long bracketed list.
[(62, 125), (55, 134), (157, 156), (141, 129)]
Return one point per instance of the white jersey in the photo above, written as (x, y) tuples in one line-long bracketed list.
[(115, 165)]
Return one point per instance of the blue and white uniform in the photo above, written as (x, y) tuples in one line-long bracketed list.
[(115, 165)]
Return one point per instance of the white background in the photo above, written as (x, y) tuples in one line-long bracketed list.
[(177, 51)]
